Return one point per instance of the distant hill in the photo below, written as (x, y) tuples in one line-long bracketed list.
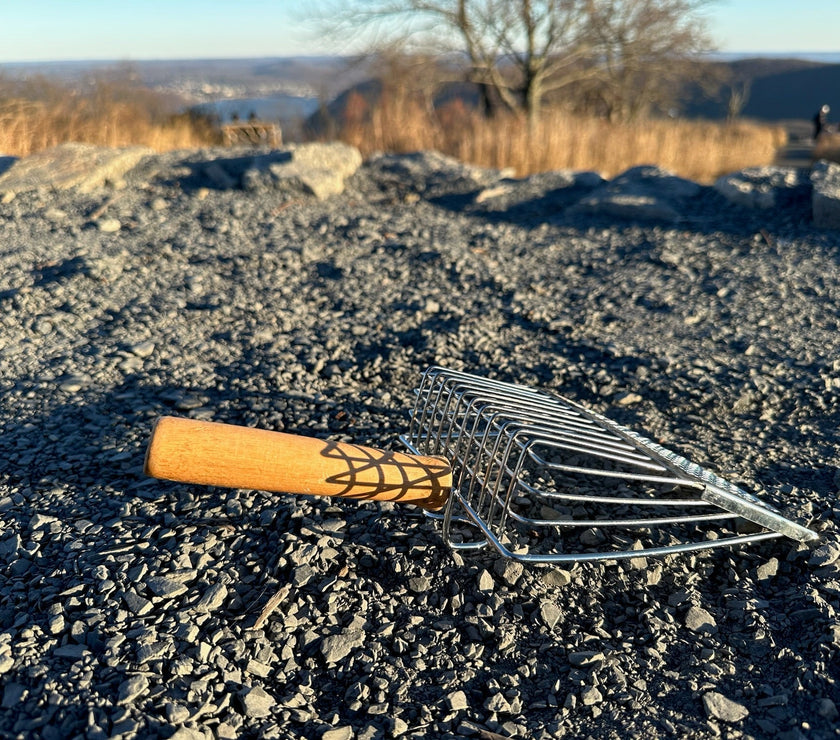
[(778, 89), (326, 76), (795, 94)]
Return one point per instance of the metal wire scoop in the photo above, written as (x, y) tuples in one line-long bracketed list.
[(539, 478)]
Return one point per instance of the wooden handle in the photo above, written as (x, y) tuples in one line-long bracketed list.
[(209, 453)]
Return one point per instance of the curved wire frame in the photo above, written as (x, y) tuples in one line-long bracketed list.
[(540, 478)]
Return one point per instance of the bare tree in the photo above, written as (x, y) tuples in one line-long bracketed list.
[(524, 50), (517, 51), (739, 94), (646, 50), (625, 55)]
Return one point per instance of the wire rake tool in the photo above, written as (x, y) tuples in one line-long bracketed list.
[(530, 474), (542, 479)]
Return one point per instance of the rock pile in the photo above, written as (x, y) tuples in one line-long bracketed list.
[(244, 287), (81, 167), (643, 193), (825, 179)]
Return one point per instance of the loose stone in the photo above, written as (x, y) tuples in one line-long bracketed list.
[(698, 619), (719, 707), (131, 689), (257, 702)]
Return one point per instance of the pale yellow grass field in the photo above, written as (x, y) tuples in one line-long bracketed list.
[(28, 126), (827, 147), (697, 150), (701, 151)]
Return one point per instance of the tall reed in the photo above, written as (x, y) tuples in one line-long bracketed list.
[(827, 147), (41, 114), (558, 140)]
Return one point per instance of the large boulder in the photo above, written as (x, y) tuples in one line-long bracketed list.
[(641, 193), (761, 187), (84, 167), (825, 199), (318, 169)]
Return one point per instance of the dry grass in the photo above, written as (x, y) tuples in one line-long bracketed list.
[(40, 114), (827, 147), (700, 151)]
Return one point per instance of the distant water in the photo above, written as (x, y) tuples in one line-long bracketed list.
[(280, 108)]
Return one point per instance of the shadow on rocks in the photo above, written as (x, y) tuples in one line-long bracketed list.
[(641, 197), (223, 172), (6, 163)]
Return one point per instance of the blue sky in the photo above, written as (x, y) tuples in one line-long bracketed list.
[(50, 30)]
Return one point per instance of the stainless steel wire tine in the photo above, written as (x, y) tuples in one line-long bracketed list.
[(638, 522), (449, 415), (493, 459), (436, 412), (510, 444), (437, 417), (592, 435), (447, 517), (604, 452), (458, 492), (428, 420), (674, 462), (604, 444), (621, 474), (472, 405), (541, 436), (459, 416), (562, 416), (470, 453), (673, 476), (624, 501), (496, 398), (453, 437), (475, 403), (573, 441), (514, 431), (560, 422), (517, 483), (515, 475), (572, 420), (422, 403), (617, 500), (446, 524), (488, 452)]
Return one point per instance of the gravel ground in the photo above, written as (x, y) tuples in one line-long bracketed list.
[(130, 607)]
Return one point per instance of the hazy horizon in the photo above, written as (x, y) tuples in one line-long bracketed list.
[(44, 31), (829, 57)]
